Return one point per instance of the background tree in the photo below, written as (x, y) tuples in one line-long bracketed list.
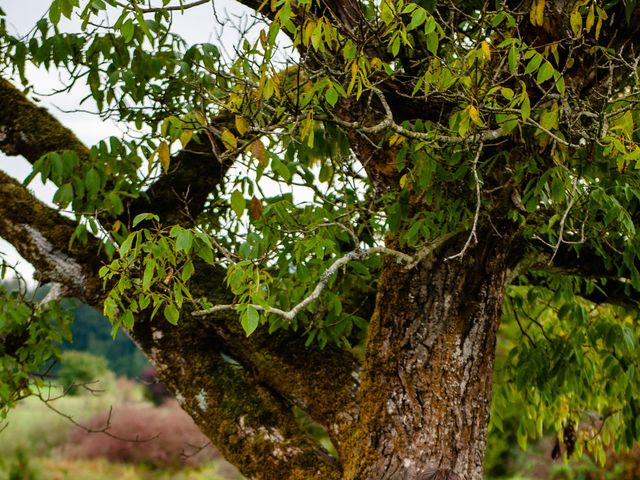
[(436, 156)]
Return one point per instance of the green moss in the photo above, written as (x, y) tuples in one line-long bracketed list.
[(30, 130)]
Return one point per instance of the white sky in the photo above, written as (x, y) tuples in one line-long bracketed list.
[(195, 26)]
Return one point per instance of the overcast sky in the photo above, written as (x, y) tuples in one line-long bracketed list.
[(195, 26)]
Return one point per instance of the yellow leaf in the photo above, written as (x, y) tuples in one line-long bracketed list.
[(116, 226), (228, 139), (396, 139), (486, 50), (241, 125), (540, 13), (354, 69), (576, 23), (354, 73), (474, 115), (201, 118), (185, 137), (536, 14), (163, 155), (403, 181), (598, 27), (307, 32), (591, 16), (263, 38)]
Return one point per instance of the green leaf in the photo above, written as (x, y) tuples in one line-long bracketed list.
[(149, 270), (395, 46), (177, 294), (110, 308), (184, 241), (54, 12), (238, 202), (331, 95), (187, 271), (64, 195), (127, 30), (545, 72), (513, 59), (127, 319), (521, 435), (141, 217), (205, 252), (560, 86), (92, 181), (142, 23), (114, 203), (250, 320), (417, 18), (432, 42), (534, 63), (171, 313), (525, 108), (126, 245)]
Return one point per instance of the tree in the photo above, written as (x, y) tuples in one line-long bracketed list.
[(426, 161)]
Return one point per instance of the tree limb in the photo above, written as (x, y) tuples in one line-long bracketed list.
[(41, 235), (302, 376), (177, 197), (323, 383), (29, 130), (611, 285), (250, 426)]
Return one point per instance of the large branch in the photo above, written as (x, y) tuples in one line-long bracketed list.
[(324, 383), (180, 194), (251, 426), (176, 197), (41, 235), (610, 283), (302, 376), (29, 130)]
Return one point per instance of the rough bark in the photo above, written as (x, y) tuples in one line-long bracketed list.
[(41, 235), (177, 197), (252, 427), (323, 383), (426, 380), (29, 130), (248, 400)]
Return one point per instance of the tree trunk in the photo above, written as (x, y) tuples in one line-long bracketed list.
[(426, 381)]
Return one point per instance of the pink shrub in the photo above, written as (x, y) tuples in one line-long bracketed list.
[(161, 437)]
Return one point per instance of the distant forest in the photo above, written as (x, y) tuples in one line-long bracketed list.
[(92, 333)]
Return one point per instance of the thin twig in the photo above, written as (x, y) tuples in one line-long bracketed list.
[(174, 8), (320, 286), (472, 234), (388, 123)]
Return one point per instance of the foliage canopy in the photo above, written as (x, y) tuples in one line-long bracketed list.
[(339, 133)]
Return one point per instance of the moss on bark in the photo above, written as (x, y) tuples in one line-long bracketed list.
[(29, 130), (253, 428), (426, 381)]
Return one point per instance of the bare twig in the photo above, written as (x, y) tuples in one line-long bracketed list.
[(320, 286), (472, 234), (388, 123), (182, 7)]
